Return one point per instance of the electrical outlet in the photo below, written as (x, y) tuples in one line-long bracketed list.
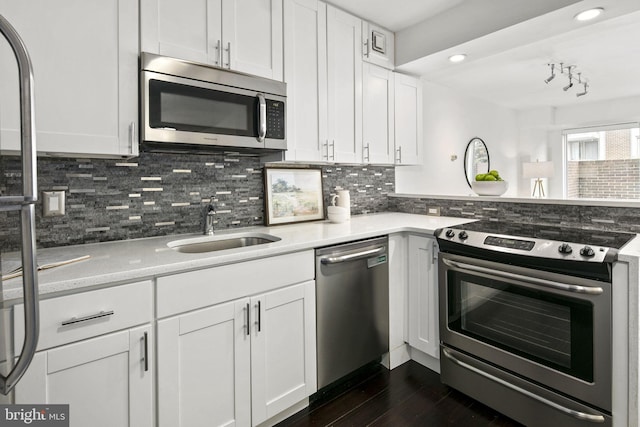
[(53, 203), (433, 211)]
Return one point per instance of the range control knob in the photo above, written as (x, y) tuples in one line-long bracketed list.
[(587, 251), (565, 249), (450, 233), (463, 235)]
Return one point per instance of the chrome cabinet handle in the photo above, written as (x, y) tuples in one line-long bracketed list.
[(575, 414), (132, 134), (532, 280), (262, 117), (87, 318), (352, 257), (399, 157), (366, 48), (228, 50), (333, 150), (146, 352), (259, 322), (218, 60), (326, 146), (366, 147), (248, 308)]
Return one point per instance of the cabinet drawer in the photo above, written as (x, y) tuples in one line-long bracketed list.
[(80, 316), (196, 289)]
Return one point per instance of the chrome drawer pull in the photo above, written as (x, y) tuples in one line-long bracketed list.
[(87, 318), (594, 418)]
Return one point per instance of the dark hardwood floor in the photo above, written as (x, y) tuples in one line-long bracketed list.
[(410, 395)]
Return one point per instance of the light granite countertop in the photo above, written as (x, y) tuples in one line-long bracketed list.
[(125, 261)]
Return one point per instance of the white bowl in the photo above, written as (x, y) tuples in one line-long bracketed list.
[(489, 188), (337, 214)]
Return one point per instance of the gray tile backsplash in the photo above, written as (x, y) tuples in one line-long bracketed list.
[(578, 216), (160, 194)]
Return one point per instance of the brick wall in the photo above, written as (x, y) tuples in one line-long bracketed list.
[(618, 145), (604, 179)]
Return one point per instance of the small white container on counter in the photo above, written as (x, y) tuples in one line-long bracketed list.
[(337, 214)]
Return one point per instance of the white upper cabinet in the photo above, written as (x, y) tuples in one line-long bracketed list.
[(242, 35), (344, 65), (378, 45), (408, 120), (378, 115), (305, 72), (85, 64)]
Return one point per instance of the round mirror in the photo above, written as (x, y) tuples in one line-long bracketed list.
[(476, 159)]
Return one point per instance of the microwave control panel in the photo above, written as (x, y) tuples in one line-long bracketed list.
[(275, 119)]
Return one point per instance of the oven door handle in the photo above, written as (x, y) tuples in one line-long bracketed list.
[(594, 418), (596, 290)]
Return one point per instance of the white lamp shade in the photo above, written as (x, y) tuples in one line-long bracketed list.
[(537, 169)]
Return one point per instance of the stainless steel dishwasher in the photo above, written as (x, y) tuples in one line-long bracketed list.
[(352, 307)]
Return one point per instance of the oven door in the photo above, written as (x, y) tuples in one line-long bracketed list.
[(551, 329)]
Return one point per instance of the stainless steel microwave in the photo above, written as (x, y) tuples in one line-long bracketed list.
[(190, 104)]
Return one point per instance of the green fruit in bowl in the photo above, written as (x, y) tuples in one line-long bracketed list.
[(489, 177), (494, 173), (481, 176)]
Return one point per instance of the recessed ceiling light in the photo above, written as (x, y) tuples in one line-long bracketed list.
[(589, 14), (459, 57)]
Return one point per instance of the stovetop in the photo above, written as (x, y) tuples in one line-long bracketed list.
[(495, 239), (560, 234)]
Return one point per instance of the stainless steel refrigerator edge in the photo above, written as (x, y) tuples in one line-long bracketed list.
[(352, 307)]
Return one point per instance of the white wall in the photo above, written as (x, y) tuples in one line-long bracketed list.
[(451, 119)]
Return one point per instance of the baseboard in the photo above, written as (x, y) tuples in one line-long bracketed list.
[(425, 360)]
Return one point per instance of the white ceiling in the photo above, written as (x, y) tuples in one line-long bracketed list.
[(508, 66), (395, 15)]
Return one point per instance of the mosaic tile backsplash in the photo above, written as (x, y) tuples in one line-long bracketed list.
[(577, 216), (162, 194)]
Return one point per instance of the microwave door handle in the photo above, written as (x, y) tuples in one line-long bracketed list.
[(262, 117)]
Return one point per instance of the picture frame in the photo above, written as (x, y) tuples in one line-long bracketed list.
[(293, 195)]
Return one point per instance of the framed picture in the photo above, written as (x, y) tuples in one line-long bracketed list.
[(293, 195)]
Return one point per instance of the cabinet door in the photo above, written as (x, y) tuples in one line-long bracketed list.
[(408, 119), (423, 295), (85, 64), (305, 72), (106, 381), (185, 29), (378, 112), (344, 61), (204, 367), (252, 37), (283, 350)]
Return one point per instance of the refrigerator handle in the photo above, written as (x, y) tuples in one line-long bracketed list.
[(27, 208)]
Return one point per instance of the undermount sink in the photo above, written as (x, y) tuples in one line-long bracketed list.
[(203, 244)]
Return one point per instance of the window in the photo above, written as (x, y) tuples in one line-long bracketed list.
[(603, 162)]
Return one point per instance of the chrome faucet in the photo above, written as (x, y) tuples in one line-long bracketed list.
[(209, 216)]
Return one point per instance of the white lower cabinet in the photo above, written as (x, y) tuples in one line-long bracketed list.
[(423, 295), (106, 381), (237, 363)]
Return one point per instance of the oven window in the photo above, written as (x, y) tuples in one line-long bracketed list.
[(195, 109), (551, 330)]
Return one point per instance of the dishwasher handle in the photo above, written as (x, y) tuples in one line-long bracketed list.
[(336, 259)]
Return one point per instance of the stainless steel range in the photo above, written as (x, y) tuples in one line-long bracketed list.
[(525, 319)]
